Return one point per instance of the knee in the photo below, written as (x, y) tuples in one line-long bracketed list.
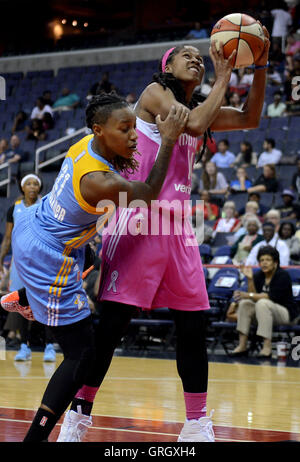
[(243, 307), (262, 304)]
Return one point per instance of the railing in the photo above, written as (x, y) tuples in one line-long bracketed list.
[(7, 180), (39, 165)]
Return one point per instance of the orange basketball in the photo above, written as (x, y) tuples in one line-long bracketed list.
[(241, 32)]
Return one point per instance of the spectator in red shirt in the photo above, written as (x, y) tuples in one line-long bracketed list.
[(210, 210)]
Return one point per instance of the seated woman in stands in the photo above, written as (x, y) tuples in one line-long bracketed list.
[(246, 157), (268, 301), (36, 131), (241, 183), (228, 223), (287, 232), (273, 216), (213, 181), (242, 247)]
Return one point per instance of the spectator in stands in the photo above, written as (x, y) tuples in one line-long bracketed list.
[(131, 99), (233, 82), (250, 237), (255, 197), (289, 210), (39, 110), (287, 232), (246, 157), (201, 158), (20, 122), (212, 181), (276, 57), (209, 209), (223, 157), (228, 223), (242, 182), (246, 77), (278, 107), (273, 76), (67, 101), (235, 100), (14, 153), (47, 121), (102, 86), (251, 207), (36, 131), (269, 300), (282, 21), (211, 146), (296, 180), (251, 211), (270, 238), (198, 32), (3, 149), (47, 96), (206, 86), (273, 216), (292, 48), (267, 181), (270, 155)]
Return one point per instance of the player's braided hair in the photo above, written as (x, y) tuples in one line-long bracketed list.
[(98, 111), (167, 80)]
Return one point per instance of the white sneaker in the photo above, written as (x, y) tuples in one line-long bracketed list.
[(74, 427), (198, 430)]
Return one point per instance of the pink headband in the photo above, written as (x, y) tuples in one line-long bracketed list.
[(165, 58)]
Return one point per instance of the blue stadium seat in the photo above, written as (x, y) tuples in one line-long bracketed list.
[(279, 122), (223, 250), (221, 239), (224, 283), (205, 253), (294, 123)]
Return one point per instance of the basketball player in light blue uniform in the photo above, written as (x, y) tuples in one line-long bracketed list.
[(49, 238), (31, 186)]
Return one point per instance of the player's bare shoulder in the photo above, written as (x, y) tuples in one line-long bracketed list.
[(153, 101)]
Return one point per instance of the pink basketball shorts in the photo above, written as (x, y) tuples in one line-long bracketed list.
[(153, 271)]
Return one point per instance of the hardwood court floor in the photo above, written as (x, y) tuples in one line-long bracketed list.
[(141, 400)]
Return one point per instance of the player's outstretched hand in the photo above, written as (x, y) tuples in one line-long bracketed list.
[(263, 59), (174, 124), (223, 66)]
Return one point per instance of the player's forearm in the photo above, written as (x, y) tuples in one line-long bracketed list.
[(254, 103), (159, 170), (150, 190), (201, 117), (251, 286)]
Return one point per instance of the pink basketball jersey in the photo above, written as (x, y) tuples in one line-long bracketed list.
[(177, 184)]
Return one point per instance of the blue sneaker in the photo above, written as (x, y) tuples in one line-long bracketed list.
[(49, 353), (24, 354)]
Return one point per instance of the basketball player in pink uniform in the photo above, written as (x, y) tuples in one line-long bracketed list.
[(148, 270)]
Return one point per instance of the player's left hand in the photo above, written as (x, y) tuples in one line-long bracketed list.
[(263, 59)]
